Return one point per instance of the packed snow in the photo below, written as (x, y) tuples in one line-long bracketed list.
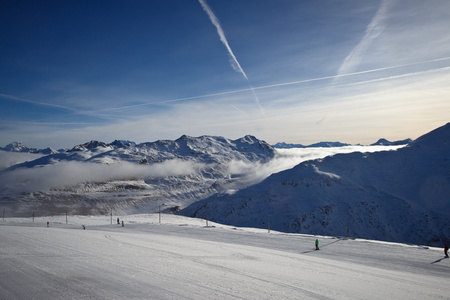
[(172, 257)]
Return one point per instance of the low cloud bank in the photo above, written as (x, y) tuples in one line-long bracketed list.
[(288, 158), (8, 159), (70, 173)]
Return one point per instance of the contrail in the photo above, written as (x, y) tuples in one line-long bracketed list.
[(373, 30), (234, 62), (80, 112), (397, 76), (36, 102), (276, 85)]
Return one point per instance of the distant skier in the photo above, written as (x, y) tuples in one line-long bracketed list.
[(48, 224), (122, 223), (317, 244), (445, 250), (84, 227), (118, 221)]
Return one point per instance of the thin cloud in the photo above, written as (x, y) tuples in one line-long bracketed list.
[(374, 29)]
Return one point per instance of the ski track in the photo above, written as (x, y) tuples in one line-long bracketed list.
[(203, 260), (142, 261)]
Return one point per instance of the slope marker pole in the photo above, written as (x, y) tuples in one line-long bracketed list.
[(206, 207), (348, 225)]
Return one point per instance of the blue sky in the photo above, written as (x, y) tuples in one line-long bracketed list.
[(291, 71)]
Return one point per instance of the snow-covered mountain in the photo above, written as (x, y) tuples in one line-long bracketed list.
[(95, 177), (283, 145), (384, 142), (380, 142), (398, 195), (19, 147)]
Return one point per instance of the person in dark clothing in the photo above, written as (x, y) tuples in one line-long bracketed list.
[(317, 244), (445, 250), (122, 223), (118, 221)]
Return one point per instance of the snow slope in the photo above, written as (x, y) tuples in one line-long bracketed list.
[(400, 195), (182, 259)]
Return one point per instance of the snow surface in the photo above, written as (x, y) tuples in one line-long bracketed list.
[(182, 258)]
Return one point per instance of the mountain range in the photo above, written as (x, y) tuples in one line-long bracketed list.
[(19, 147), (399, 195), (380, 142), (95, 177)]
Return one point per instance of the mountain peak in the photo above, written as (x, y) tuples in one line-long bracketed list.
[(17, 147), (89, 145), (122, 143), (385, 142)]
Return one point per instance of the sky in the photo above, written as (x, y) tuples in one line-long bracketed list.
[(283, 71)]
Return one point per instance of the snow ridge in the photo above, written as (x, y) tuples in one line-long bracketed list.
[(392, 196)]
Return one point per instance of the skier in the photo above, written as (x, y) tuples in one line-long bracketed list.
[(317, 244), (84, 227), (445, 250), (122, 223), (118, 221)]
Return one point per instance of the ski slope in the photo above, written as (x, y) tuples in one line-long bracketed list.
[(182, 258)]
